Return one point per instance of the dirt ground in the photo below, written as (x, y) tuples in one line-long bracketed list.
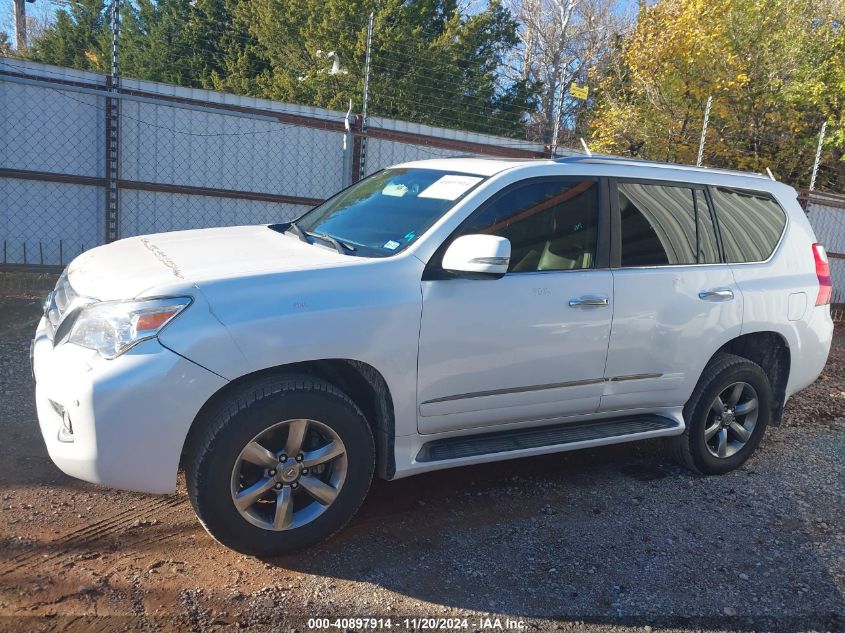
[(611, 539)]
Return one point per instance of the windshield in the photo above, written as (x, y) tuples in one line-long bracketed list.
[(383, 214)]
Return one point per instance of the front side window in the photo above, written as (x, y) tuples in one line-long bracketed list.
[(551, 224), (665, 226), (751, 224), (383, 214)]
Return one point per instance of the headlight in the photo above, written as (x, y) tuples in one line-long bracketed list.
[(112, 327)]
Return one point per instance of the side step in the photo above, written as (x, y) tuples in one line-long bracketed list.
[(552, 435)]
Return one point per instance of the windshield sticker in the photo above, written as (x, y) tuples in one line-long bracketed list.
[(396, 190), (449, 187), (409, 237), (392, 245)]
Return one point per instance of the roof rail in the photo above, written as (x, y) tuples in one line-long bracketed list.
[(637, 162)]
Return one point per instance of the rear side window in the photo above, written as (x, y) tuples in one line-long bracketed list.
[(751, 224), (665, 226)]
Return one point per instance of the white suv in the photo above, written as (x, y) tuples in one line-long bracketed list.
[(436, 314)]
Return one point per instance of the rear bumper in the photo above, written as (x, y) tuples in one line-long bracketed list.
[(129, 416), (815, 339)]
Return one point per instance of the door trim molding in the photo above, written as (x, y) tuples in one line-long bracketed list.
[(554, 385), (633, 377)]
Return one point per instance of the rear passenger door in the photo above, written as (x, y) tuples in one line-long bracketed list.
[(675, 301), (751, 224)]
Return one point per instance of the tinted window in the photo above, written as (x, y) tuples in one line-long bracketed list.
[(551, 225), (751, 224), (664, 225)]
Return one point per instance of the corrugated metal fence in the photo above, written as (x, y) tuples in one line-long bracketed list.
[(184, 158)]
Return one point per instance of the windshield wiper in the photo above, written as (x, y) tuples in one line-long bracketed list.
[(340, 247), (298, 231)]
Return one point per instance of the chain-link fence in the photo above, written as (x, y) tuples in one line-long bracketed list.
[(826, 213), (51, 155), (184, 158)]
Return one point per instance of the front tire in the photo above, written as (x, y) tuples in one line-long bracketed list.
[(282, 463), (726, 416)]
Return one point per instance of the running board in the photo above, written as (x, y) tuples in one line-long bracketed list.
[(554, 435)]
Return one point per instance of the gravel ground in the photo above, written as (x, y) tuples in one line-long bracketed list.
[(609, 539)]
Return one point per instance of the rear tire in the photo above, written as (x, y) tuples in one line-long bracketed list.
[(254, 498), (726, 416)]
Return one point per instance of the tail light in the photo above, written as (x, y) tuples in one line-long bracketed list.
[(823, 273)]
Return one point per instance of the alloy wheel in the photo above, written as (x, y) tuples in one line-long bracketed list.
[(289, 474), (731, 419)]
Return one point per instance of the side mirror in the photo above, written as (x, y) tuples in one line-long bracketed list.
[(481, 255)]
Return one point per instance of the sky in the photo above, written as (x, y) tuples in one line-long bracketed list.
[(40, 10)]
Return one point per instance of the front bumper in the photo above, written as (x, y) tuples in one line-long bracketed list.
[(130, 415)]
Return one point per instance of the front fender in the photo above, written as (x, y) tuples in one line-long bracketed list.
[(367, 311), (198, 335)]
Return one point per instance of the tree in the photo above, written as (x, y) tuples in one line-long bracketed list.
[(80, 37), (770, 67), (5, 45), (430, 63), (560, 41), (452, 74), (185, 42)]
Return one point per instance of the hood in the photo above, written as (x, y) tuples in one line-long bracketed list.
[(130, 267)]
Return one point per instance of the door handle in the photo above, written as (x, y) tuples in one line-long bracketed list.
[(588, 301), (720, 294)]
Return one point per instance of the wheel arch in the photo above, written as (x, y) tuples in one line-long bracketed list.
[(362, 382), (771, 351)]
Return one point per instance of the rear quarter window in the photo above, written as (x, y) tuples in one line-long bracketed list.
[(751, 224)]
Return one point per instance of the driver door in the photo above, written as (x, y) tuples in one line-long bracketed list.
[(530, 346)]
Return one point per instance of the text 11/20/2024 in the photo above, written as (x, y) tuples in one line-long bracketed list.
[(432, 624)]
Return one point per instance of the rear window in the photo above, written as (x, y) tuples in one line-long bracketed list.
[(751, 224)]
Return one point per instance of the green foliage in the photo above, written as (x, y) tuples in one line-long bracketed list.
[(430, 64), (80, 37), (185, 42), (450, 74)]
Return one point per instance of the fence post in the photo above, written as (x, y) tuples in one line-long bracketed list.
[(348, 141), (357, 149), (112, 114), (704, 131), (362, 149), (818, 157)]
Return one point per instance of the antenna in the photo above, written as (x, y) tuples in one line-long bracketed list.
[(584, 145), (771, 175)]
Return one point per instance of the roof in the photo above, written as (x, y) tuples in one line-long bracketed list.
[(642, 168), (470, 165), (634, 162)]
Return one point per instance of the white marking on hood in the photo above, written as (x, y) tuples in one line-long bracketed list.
[(160, 256)]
